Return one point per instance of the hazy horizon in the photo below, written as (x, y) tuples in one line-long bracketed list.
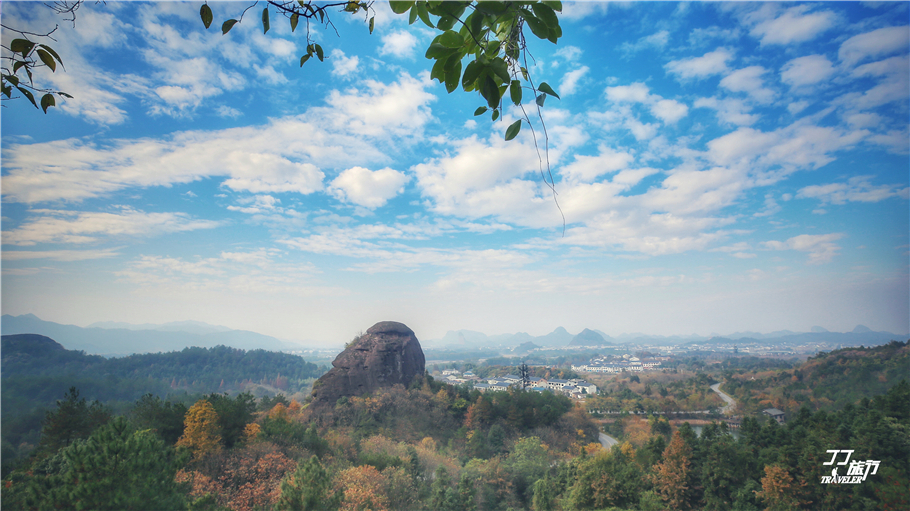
[(721, 167)]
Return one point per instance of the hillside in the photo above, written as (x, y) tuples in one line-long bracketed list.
[(589, 338), (828, 381), (36, 371)]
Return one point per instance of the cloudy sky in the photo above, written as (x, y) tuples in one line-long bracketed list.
[(718, 167)]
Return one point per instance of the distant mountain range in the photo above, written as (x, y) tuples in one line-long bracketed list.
[(591, 337), (118, 339)]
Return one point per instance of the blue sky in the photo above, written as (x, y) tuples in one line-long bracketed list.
[(721, 167)]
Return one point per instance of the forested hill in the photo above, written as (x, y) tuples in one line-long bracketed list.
[(828, 381), (31, 356), (37, 371)]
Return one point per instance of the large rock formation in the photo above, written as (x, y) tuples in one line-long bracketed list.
[(387, 354)]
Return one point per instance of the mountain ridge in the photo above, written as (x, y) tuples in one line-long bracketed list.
[(121, 341)]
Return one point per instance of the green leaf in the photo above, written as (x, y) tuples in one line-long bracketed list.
[(539, 28), (424, 15), (295, 18), (554, 34), (23, 46), (7, 90), (304, 59), (495, 115), (480, 110), (451, 39), (205, 12), (51, 51), (513, 130), (546, 14), (475, 23), (412, 17), (372, 23), (471, 72), (319, 53), (490, 91), (400, 7), (47, 59), (64, 94), (446, 22), (515, 91), (452, 76), (47, 101), (436, 51), (265, 20), (543, 87), (28, 94), (524, 73), (501, 69), (11, 79), (438, 72), (227, 26), (540, 99), (556, 5), (18, 65)]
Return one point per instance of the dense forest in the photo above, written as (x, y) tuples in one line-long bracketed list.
[(437, 446), (827, 381), (37, 371)]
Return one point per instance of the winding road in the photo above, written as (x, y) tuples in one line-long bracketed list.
[(731, 403), (607, 441)]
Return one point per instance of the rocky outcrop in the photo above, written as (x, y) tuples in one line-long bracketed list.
[(388, 354)]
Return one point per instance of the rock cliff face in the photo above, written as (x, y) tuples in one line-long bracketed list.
[(387, 354)]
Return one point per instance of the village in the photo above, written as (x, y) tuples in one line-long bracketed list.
[(574, 388), (618, 364)]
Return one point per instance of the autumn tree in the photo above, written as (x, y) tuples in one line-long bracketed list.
[(201, 432), (673, 478), (779, 490), (363, 488)]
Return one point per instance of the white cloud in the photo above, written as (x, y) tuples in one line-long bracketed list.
[(60, 255), (377, 108), (400, 44), (795, 25), (270, 173), (773, 155), (712, 63), (55, 226), (568, 53), (876, 43), (749, 80), (226, 111), (256, 204), (856, 189), (669, 110), (729, 110), (656, 40), (588, 168), (285, 155), (635, 93), (821, 247), (807, 70), (343, 66), (570, 80), (370, 189)]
